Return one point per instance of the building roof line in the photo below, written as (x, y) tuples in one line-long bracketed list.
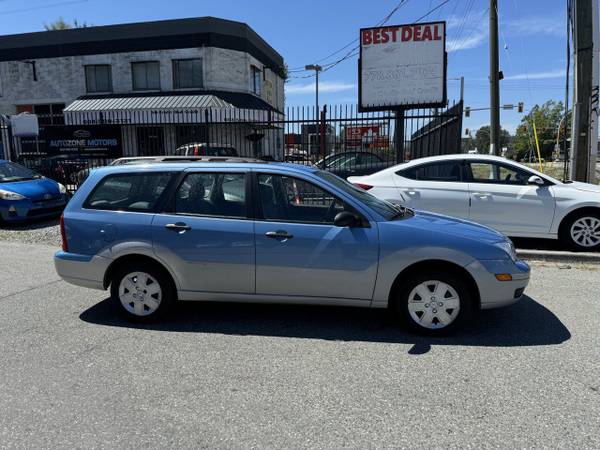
[(142, 36)]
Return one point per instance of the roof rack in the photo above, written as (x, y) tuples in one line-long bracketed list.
[(178, 159)]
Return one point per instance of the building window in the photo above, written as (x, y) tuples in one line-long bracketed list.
[(98, 78), (256, 81), (146, 75), (187, 73)]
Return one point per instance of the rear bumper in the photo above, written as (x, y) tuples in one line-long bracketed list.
[(494, 293), (81, 270)]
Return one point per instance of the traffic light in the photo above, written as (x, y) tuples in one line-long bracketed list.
[(467, 111), (467, 132), (520, 107)]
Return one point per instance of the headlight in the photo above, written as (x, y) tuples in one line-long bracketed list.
[(62, 188), (9, 195), (509, 248)]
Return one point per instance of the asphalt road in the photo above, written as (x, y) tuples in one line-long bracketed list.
[(245, 376)]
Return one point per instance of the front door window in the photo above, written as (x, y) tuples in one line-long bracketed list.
[(288, 199)]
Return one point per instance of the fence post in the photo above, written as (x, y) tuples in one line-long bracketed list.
[(399, 136), (206, 121), (322, 133)]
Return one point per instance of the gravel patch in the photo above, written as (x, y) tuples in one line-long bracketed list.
[(46, 232)]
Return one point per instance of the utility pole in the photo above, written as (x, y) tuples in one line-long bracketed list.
[(494, 81), (583, 58)]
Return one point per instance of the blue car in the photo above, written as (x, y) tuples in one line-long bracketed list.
[(275, 232), (25, 194)]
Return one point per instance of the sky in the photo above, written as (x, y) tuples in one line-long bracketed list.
[(532, 40)]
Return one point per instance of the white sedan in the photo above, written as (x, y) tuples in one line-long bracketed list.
[(494, 191)]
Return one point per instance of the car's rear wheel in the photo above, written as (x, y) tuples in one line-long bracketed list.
[(581, 232), (142, 292), (434, 302)]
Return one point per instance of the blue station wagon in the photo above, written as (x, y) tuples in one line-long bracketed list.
[(249, 231)]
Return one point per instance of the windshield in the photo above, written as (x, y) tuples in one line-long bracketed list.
[(13, 172), (386, 209)]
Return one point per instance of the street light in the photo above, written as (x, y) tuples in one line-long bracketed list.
[(317, 69)]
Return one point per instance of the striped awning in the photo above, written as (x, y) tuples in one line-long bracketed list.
[(165, 109)]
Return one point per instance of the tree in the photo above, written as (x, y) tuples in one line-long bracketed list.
[(482, 139), (547, 119), (60, 24)]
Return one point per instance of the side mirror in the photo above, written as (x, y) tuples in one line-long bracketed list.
[(534, 179), (346, 219)]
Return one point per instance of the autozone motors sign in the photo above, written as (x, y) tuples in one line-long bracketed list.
[(402, 66)]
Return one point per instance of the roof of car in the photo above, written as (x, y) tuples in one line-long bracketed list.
[(456, 156)]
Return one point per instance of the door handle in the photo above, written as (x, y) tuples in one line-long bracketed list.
[(482, 194), (178, 226), (279, 234)]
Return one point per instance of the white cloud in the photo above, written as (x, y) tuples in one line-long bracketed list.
[(467, 35), (537, 25), (324, 86), (465, 43), (559, 73), (464, 36)]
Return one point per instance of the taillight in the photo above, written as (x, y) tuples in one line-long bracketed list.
[(366, 187), (63, 234)]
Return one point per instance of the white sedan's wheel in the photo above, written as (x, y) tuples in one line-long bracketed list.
[(140, 293), (585, 231), (433, 304)]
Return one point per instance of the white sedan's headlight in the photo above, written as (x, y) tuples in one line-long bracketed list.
[(9, 195), (509, 248), (62, 188)]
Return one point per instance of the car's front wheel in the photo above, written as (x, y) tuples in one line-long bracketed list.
[(142, 291), (581, 232), (434, 302)]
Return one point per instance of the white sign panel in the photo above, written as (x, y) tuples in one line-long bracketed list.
[(402, 66)]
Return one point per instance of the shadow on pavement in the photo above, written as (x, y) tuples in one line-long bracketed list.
[(526, 323), (31, 224)]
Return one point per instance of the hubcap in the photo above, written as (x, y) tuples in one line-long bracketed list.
[(140, 293), (433, 304), (586, 231)]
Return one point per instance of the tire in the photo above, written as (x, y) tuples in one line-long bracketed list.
[(434, 303), (143, 292), (581, 232)]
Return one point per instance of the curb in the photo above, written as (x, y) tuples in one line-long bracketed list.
[(557, 256)]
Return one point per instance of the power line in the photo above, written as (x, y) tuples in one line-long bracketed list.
[(432, 11), (354, 41), (35, 8)]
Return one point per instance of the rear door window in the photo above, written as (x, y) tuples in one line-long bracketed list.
[(212, 194), (139, 192)]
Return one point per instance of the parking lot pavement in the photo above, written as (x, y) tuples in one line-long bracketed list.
[(242, 376)]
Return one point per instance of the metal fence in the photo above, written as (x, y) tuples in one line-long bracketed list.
[(338, 139)]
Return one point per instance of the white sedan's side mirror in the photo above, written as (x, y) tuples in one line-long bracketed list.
[(534, 179)]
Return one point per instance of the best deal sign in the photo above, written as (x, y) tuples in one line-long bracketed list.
[(402, 66)]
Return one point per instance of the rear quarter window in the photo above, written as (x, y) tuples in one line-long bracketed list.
[(139, 192)]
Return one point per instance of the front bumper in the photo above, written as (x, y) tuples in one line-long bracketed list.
[(27, 209), (81, 270), (494, 293)]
